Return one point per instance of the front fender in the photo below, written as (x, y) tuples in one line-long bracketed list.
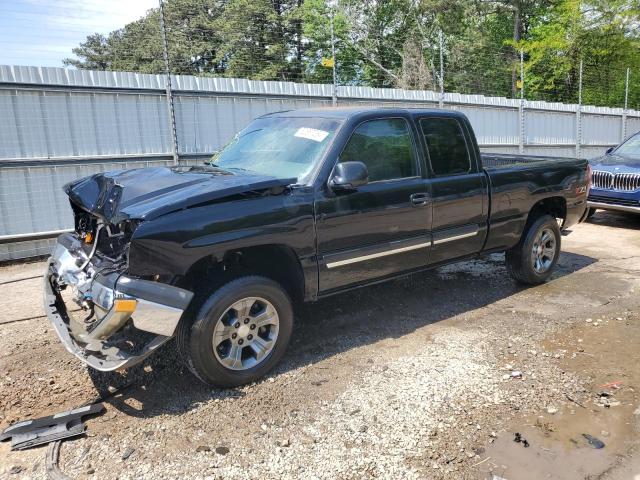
[(172, 244)]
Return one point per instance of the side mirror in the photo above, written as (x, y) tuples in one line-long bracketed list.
[(609, 150), (348, 176)]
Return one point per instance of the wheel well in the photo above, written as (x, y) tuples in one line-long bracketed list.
[(277, 262), (554, 206)]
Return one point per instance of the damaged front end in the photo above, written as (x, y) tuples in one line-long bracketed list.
[(112, 310), (106, 318)]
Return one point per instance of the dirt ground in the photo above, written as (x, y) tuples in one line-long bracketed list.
[(430, 376)]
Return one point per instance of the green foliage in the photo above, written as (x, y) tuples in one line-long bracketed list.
[(391, 43), (603, 34), (261, 39), (94, 54)]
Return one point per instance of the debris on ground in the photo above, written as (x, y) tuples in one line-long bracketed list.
[(617, 384), (593, 441), (128, 452), (52, 460), (546, 427), (571, 399), (29, 433), (520, 439)]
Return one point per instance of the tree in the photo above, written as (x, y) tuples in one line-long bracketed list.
[(193, 36), (391, 43), (261, 39), (93, 54), (137, 47), (602, 34), (316, 21)]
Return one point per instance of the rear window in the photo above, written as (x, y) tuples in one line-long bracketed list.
[(446, 145)]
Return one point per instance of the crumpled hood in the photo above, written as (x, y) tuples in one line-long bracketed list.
[(616, 164), (147, 193)]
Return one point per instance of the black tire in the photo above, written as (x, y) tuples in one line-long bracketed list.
[(520, 259), (591, 213), (194, 335)]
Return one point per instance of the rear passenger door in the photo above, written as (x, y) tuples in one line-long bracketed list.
[(458, 188)]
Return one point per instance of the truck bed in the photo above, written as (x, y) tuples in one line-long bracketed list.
[(499, 160)]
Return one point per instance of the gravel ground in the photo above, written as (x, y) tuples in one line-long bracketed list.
[(429, 376)]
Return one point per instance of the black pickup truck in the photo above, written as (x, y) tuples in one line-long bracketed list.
[(300, 205)]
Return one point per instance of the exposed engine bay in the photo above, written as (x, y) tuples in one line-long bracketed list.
[(124, 318), (105, 248), (109, 241)]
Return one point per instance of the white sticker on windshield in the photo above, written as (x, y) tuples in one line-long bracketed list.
[(311, 134)]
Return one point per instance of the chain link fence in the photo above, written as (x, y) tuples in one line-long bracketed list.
[(404, 45)]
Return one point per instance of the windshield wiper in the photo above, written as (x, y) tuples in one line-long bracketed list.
[(226, 169)]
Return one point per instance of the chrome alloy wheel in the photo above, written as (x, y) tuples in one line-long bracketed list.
[(544, 251), (246, 333)]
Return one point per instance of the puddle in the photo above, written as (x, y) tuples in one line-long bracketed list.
[(484, 267), (606, 353)]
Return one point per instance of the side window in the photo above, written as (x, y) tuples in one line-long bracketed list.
[(385, 147), (446, 145)]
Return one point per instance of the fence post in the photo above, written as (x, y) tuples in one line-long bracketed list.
[(625, 111), (334, 96), (521, 108), (170, 108), (441, 40), (579, 115)]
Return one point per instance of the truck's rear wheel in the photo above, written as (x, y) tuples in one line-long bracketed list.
[(533, 259), (239, 334)]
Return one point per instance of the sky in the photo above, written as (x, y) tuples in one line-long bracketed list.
[(43, 32)]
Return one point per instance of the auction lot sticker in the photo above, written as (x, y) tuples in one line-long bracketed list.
[(311, 134)]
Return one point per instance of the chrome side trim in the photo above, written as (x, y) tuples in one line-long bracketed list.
[(611, 206), (455, 237), (378, 255), (395, 251)]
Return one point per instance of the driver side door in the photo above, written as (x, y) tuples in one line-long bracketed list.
[(382, 228)]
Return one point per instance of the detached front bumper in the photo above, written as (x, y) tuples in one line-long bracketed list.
[(132, 317)]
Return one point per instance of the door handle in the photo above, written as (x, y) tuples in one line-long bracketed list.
[(420, 199)]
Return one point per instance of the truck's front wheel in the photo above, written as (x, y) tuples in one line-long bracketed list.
[(533, 259), (239, 334)]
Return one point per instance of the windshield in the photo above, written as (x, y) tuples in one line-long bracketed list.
[(279, 147), (630, 148)]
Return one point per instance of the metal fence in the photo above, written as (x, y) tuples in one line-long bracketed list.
[(60, 124)]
